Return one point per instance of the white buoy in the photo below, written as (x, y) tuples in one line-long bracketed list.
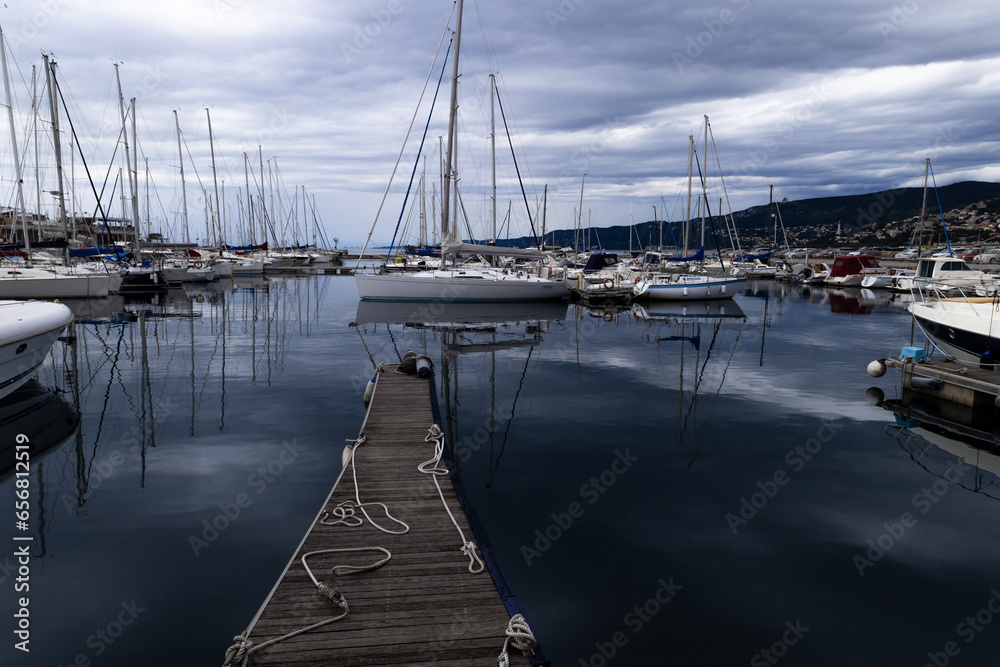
[(876, 369)]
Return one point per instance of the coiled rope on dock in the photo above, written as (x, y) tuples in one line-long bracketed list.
[(433, 467), (519, 636), (344, 512)]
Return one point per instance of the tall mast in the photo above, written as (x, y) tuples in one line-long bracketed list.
[(493, 158), (452, 112), (687, 222), (246, 175), (704, 188), (128, 164), (923, 207), (184, 199), (215, 179), (14, 146), (770, 216), (545, 208), (51, 68), (579, 218), (34, 132)]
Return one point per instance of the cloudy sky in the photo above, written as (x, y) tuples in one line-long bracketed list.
[(839, 97)]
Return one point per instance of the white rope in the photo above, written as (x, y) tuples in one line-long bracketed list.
[(344, 511), (434, 468), (243, 647), (519, 636)]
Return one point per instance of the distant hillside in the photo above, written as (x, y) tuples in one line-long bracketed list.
[(816, 218)]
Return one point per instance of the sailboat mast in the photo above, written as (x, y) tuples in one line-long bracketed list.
[(246, 176), (545, 210), (184, 200), (128, 162), (13, 143), (704, 188), (51, 68), (452, 112), (687, 223), (923, 207), (215, 180), (493, 158), (579, 217)]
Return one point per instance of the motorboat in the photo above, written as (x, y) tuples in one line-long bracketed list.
[(28, 330), (847, 270), (960, 321)]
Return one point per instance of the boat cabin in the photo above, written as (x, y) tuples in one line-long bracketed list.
[(944, 267), (852, 265)]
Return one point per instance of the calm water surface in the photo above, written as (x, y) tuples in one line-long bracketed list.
[(660, 487)]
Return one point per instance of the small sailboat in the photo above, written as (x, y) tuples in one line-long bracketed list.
[(689, 286), (453, 282)]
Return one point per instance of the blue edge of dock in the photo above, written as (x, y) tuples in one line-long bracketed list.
[(507, 594)]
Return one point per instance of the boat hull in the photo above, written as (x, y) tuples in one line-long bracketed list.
[(458, 287), (689, 288), (28, 330), (34, 284), (958, 333)]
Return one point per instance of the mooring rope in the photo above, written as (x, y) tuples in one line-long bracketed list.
[(519, 636), (243, 647), (434, 468), (344, 511)]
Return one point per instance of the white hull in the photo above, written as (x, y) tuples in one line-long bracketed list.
[(458, 286), (853, 280), (688, 288), (25, 283), (28, 330)]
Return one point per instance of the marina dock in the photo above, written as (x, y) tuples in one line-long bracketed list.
[(433, 602), (954, 381)]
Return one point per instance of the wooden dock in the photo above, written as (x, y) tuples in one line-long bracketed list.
[(954, 381), (424, 607)]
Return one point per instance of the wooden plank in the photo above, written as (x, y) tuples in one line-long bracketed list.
[(424, 607)]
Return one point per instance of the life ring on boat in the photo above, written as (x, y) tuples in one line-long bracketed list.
[(197, 265), (609, 283), (637, 280), (609, 317)]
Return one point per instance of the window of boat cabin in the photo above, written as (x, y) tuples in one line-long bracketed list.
[(926, 269), (955, 266)]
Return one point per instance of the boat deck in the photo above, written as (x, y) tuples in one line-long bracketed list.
[(423, 607)]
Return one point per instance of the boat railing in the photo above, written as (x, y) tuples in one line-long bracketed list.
[(956, 291)]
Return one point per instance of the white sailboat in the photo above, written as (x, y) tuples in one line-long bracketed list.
[(23, 282), (456, 283), (687, 286)]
